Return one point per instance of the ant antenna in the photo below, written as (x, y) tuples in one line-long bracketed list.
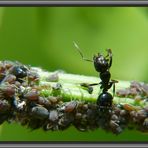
[(109, 54), (79, 50)]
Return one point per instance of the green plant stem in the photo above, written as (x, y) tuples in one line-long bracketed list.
[(71, 89)]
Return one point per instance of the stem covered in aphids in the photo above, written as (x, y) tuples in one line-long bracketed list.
[(55, 100)]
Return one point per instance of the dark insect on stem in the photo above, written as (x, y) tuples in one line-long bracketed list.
[(102, 65)]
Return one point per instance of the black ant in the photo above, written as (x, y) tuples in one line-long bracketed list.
[(102, 65)]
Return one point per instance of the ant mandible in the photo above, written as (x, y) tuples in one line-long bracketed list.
[(102, 65)]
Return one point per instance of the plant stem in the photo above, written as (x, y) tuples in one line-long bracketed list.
[(71, 89)]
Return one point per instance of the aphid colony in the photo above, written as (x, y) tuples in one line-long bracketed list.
[(22, 101), (138, 115)]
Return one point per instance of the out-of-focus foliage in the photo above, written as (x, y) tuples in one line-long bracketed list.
[(44, 37)]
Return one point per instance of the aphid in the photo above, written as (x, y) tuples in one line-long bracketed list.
[(102, 65), (85, 107), (8, 90), (141, 114), (9, 78), (78, 116), (70, 106), (114, 117), (123, 92), (123, 112), (2, 69), (56, 89), (115, 127), (33, 76), (39, 112), (145, 89), (65, 121), (53, 77), (4, 106), (32, 95), (133, 92), (44, 101), (91, 114), (145, 123), (136, 85), (7, 64), (53, 99), (53, 115)]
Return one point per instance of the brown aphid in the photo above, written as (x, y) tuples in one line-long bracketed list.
[(136, 85), (146, 108), (53, 99), (8, 64), (116, 110), (9, 78), (114, 117), (141, 114), (24, 83), (115, 127), (122, 92), (8, 90), (32, 95), (33, 76), (2, 68), (145, 89), (133, 92), (70, 106), (44, 101), (123, 112), (65, 121)]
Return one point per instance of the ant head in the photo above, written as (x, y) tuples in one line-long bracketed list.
[(100, 63)]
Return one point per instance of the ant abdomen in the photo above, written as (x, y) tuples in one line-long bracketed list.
[(105, 99)]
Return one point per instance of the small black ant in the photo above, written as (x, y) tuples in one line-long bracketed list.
[(102, 65)]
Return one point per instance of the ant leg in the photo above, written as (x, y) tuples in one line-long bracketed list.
[(79, 50), (113, 90), (89, 86), (113, 83)]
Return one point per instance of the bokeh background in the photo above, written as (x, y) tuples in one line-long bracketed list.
[(43, 37)]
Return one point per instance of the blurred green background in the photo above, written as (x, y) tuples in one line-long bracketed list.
[(43, 36)]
